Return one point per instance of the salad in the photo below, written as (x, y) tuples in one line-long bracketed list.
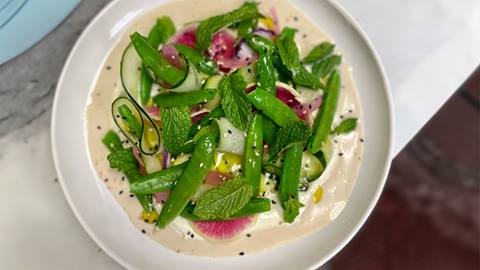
[(223, 119)]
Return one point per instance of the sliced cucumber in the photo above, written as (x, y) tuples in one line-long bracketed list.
[(148, 141), (152, 163), (212, 83), (232, 140), (191, 82), (311, 167), (249, 73), (130, 72)]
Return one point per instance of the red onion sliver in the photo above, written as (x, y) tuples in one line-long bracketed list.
[(265, 33), (161, 197), (165, 158), (136, 154)]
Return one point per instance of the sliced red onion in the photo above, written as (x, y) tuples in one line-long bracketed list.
[(171, 54), (136, 154), (186, 37), (165, 158), (273, 13), (161, 197), (153, 110), (215, 178), (197, 117), (265, 33), (243, 51)]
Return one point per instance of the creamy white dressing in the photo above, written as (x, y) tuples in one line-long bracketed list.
[(268, 229)]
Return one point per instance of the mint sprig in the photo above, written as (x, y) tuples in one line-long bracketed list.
[(224, 200), (292, 209), (234, 101), (294, 132), (346, 126), (176, 122)]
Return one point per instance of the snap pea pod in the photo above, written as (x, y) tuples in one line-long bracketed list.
[(264, 66), (288, 186), (202, 62), (253, 152), (159, 34), (216, 113), (163, 70), (191, 179), (254, 206), (112, 141), (272, 107), (269, 130), (184, 99), (162, 180), (130, 120), (323, 121)]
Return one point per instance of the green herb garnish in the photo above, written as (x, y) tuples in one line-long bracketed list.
[(346, 126), (234, 101), (176, 124)]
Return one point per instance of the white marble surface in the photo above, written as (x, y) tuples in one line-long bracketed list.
[(428, 48)]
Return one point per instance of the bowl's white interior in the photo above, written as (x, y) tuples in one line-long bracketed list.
[(105, 221)]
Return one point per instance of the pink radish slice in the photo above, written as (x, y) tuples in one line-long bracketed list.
[(161, 197), (155, 111), (223, 229), (143, 171), (186, 37), (222, 46), (215, 178), (171, 54)]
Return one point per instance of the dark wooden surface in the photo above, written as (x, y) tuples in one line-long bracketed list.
[(429, 214)]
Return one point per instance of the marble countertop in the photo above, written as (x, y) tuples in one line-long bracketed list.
[(428, 49)]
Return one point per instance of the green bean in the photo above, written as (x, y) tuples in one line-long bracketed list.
[(156, 62), (130, 120), (272, 107), (324, 119), (162, 180), (318, 52), (202, 62), (269, 130), (191, 179), (264, 66), (253, 152), (184, 99), (112, 141), (259, 43), (326, 66), (288, 186), (254, 206), (216, 113)]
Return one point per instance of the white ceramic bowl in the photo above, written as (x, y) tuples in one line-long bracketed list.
[(109, 226)]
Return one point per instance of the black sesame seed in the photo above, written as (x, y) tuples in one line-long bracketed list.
[(304, 35), (99, 127), (274, 202), (120, 192), (340, 154), (361, 140), (350, 111), (192, 235), (309, 106), (154, 221), (268, 183), (249, 235), (229, 131), (240, 170), (241, 253), (131, 195), (295, 18), (118, 116), (106, 180), (139, 68), (143, 231), (146, 220), (123, 178), (341, 116), (109, 67)]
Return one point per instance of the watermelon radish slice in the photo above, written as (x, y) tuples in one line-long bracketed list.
[(186, 37), (171, 54), (222, 46), (223, 229)]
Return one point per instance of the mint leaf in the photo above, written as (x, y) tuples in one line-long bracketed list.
[(176, 122), (292, 207), (207, 28), (318, 52), (346, 126), (325, 66), (224, 200), (289, 55), (295, 132), (234, 101), (123, 160), (161, 31)]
